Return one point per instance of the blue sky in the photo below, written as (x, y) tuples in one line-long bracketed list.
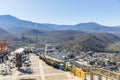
[(106, 12)]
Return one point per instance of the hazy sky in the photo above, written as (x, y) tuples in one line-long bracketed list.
[(106, 12)]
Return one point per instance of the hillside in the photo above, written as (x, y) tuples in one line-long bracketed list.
[(94, 42), (3, 33), (15, 25), (74, 40), (71, 40), (113, 47), (34, 32), (83, 36), (64, 35)]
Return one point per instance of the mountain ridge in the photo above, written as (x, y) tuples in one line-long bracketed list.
[(11, 23), (72, 37)]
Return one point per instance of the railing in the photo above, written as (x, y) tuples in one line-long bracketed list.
[(83, 72), (80, 73), (101, 73)]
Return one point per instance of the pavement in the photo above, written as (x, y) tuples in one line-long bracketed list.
[(41, 71)]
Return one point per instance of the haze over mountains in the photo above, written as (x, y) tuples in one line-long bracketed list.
[(13, 25), (82, 36)]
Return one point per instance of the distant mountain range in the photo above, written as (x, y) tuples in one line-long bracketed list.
[(14, 25), (83, 36)]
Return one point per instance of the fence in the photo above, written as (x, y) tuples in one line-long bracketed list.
[(82, 72), (101, 73)]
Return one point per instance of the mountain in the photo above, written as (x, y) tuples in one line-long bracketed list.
[(3, 33), (94, 27), (74, 40), (94, 42), (83, 36), (70, 40), (15, 25), (64, 35), (33, 32), (113, 47)]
